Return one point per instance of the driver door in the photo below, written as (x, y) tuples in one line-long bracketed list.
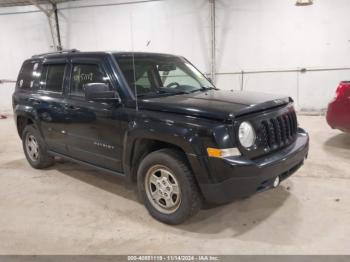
[(94, 128)]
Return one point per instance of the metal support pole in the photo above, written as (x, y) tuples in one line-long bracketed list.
[(53, 23), (242, 80), (59, 46), (213, 41), (52, 33)]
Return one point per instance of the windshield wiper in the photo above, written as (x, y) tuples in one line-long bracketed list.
[(179, 93), (204, 88), (161, 92), (165, 90)]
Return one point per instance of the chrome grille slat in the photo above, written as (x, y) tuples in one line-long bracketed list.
[(271, 134), (287, 126), (283, 129), (278, 135), (295, 121), (264, 129), (290, 125)]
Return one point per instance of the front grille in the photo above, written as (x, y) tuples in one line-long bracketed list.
[(278, 131)]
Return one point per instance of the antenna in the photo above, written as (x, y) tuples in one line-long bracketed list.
[(133, 60)]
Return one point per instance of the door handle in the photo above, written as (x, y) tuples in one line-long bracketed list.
[(34, 101), (70, 107)]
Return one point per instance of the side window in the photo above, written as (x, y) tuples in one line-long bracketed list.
[(84, 74), (28, 75), (52, 77)]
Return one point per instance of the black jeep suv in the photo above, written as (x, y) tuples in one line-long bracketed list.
[(157, 121)]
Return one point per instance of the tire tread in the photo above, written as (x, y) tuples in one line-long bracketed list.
[(196, 196), (193, 202)]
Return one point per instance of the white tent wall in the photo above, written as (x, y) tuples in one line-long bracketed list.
[(22, 35), (260, 35), (172, 26), (251, 36)]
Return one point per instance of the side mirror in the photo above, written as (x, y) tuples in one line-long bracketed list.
[(100, 92)]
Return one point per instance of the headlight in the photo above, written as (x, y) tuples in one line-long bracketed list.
[(246, 134)]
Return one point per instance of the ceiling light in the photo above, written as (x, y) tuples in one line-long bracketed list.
[(304, 2)]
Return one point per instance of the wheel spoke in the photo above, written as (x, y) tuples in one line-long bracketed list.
[(153, 179), (176, 190), (156, 196), (32, 147), (164, 174), (169, 202)]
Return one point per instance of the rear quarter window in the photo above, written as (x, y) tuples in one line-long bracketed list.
[(28, 75)]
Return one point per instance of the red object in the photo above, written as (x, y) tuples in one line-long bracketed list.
[(338, 113)]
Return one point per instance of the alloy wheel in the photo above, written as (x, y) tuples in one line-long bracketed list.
[(32, 148), (163, 189)]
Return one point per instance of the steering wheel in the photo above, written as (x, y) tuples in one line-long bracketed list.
[(173, 84)]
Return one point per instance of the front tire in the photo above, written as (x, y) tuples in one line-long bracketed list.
[(167, 187), (35, 148)]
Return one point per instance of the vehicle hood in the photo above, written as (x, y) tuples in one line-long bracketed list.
[(214, 104)]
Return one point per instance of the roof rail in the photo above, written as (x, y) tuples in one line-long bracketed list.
[(58, 52)]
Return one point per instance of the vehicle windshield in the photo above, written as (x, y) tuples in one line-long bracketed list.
[(154, 75)]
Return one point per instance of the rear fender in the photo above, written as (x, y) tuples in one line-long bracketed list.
[(27, 112)]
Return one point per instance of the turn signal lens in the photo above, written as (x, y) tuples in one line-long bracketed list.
[(216, 152)]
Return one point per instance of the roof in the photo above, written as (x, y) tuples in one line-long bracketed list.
[(124, 53), (64, 53)]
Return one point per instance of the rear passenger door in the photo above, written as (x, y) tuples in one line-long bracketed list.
[(94, 131), (49, 104)]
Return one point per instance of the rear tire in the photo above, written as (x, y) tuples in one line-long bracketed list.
[(35, 148), (167, 187)]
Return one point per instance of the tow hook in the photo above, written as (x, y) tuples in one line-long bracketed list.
[(276, 182)]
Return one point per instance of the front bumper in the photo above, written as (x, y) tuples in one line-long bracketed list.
[(244, 177)]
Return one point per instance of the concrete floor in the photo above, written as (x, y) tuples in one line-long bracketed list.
[(70, 209)]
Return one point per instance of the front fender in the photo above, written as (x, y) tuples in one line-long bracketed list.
[(190, 134)]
